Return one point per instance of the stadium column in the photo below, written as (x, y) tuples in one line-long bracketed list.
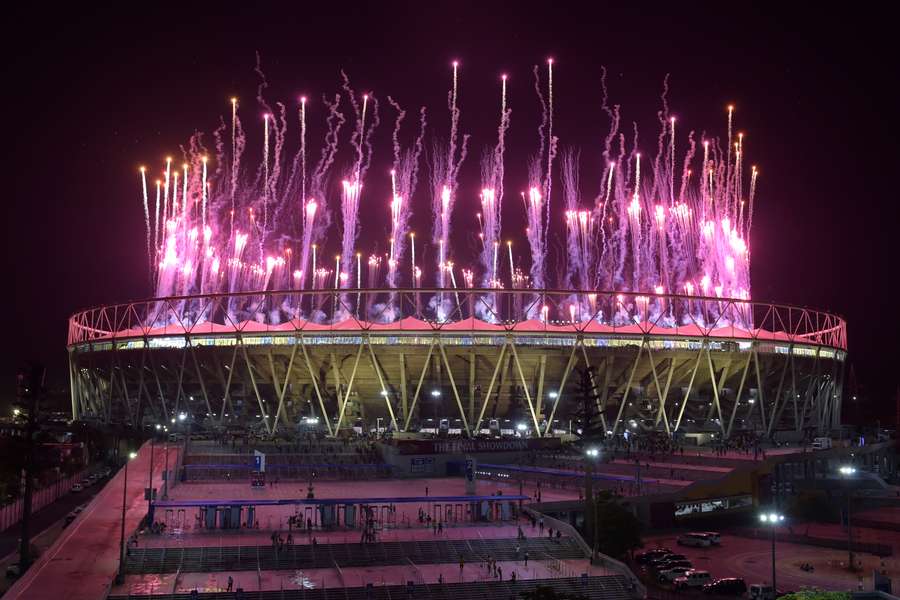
[(562, 385), (472, 389), (404, 393), (159, 389), (661, 396), (415, 399), (715, 388), (538, 399), (226, 383), (345, 400), (515, 356), (778, 404), (740, 391), (487, 395), (807, 396), (624, 400), (384, 391), (73, 386), (689, 389), (462, 412), (281, 389), (759, 386), (315, 382), (601, 399), (201, 381), (262, 407)]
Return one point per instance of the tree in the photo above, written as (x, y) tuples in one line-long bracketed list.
[(587, 411), (812, 507), (618, 530), (816, 595), (546, 592)]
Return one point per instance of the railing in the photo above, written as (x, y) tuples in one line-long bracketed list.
[(471, 310), (11, 514), (599, 559)]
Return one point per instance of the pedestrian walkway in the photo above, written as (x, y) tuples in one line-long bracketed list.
[(88, 550)]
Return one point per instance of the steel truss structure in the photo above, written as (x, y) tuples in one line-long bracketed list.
[(413, 357)]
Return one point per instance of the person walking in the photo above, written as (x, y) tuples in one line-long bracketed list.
[(541, 525), (230, 583), (462, 565), (526, 558)]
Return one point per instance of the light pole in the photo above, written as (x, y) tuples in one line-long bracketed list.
[(847, 472), (166, 482), (150, 475), (590, 508), (772, 520), (120, 576)]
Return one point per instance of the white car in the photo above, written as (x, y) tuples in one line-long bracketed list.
[(715, 538), (698, 540), (760, 591), (672, 574), (693, 579), (77, 487)]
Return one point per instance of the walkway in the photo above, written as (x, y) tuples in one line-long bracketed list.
[(88, 550)]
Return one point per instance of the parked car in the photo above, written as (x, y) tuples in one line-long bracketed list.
[(699, 540), (669, 575), (762, 591), (13, 571), (77, 487), (649, 555), (727, 586), (674, 563), (86, 483), (693, 579), (663, 560), (73, 515), (715, 538)]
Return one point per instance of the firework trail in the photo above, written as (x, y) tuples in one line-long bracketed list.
[(445, 169), (353, 182), (674, 222), (404, 178), (492, 172)]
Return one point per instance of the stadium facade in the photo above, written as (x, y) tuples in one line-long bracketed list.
[(505, 362)]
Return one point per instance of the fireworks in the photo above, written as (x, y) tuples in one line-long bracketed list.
[(673, 224)]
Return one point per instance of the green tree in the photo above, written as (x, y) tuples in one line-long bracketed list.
[(546, 592), (816, 595), (812, 507), (618, 530)]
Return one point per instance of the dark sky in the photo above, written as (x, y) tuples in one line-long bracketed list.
[(91, 96)]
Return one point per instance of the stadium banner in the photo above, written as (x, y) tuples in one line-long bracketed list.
[(462, 446)]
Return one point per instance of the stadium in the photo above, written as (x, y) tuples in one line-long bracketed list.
[(499, 363)]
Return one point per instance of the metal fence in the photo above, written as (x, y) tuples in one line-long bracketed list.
[(544, 311), (11, 514)]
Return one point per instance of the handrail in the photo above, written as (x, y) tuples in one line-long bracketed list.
[(482, 310), (603, 559)]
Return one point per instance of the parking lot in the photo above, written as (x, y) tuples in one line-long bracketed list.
[(751, 559)]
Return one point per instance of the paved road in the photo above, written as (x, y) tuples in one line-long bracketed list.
[(46, 517)]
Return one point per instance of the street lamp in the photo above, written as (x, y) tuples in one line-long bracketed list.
[(772, 520), (847, 472), (590, 507), (120, 576)]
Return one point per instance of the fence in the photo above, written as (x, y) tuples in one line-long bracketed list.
[(599, 559), (12, 513)]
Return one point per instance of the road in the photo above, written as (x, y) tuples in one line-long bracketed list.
[(47, 516)]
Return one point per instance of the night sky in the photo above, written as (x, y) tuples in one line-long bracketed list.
[(92, 96)]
